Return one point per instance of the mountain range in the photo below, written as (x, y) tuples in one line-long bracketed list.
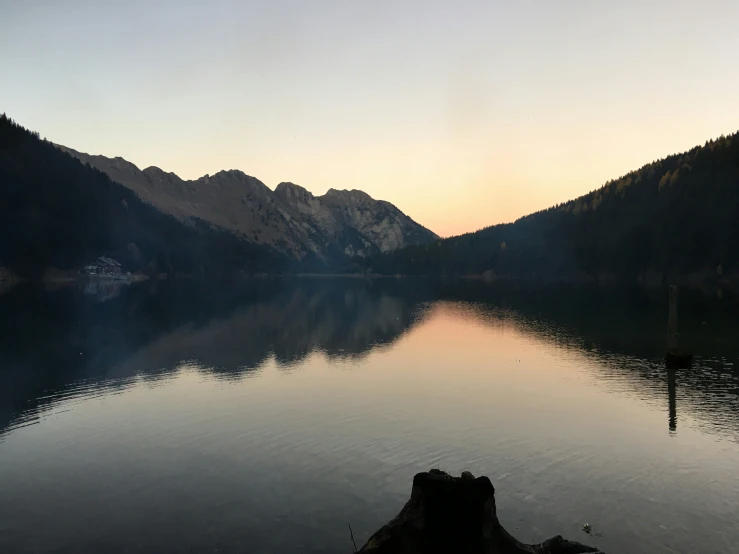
[(62, 209), (673, 218), (338, 225)]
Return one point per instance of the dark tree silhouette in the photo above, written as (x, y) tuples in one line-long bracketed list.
[(679, 215), (57, 212)]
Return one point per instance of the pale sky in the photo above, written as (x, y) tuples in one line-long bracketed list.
[(462, 113)]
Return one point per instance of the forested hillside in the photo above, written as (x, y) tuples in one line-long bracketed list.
[(676, 216), (58, 212)]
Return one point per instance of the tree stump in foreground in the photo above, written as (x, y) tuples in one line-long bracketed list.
[(455, 515)]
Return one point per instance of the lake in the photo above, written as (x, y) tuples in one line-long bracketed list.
[(271, 415)]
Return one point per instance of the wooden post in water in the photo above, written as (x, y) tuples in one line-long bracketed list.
[(672, 322), (675, 359)]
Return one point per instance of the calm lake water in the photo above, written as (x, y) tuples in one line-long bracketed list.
[(268, 417)]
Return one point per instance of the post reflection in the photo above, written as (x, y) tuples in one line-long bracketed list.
[(671, 392)]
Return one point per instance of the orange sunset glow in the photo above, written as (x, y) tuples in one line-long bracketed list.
[(508, 117)]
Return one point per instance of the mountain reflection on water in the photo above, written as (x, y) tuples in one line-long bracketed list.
[(58, 344), (264, 417)]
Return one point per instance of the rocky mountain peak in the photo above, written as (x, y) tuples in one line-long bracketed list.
[(154, 170), (236, 179), (123, 163), (291, 191), (156, 174), (338, 225), (347, 196)]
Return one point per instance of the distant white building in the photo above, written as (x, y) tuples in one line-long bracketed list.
[(104, 266)]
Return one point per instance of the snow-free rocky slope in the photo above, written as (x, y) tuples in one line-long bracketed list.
[(339, 224)]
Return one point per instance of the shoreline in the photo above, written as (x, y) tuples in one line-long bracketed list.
[(64, 277), (701, 282)]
